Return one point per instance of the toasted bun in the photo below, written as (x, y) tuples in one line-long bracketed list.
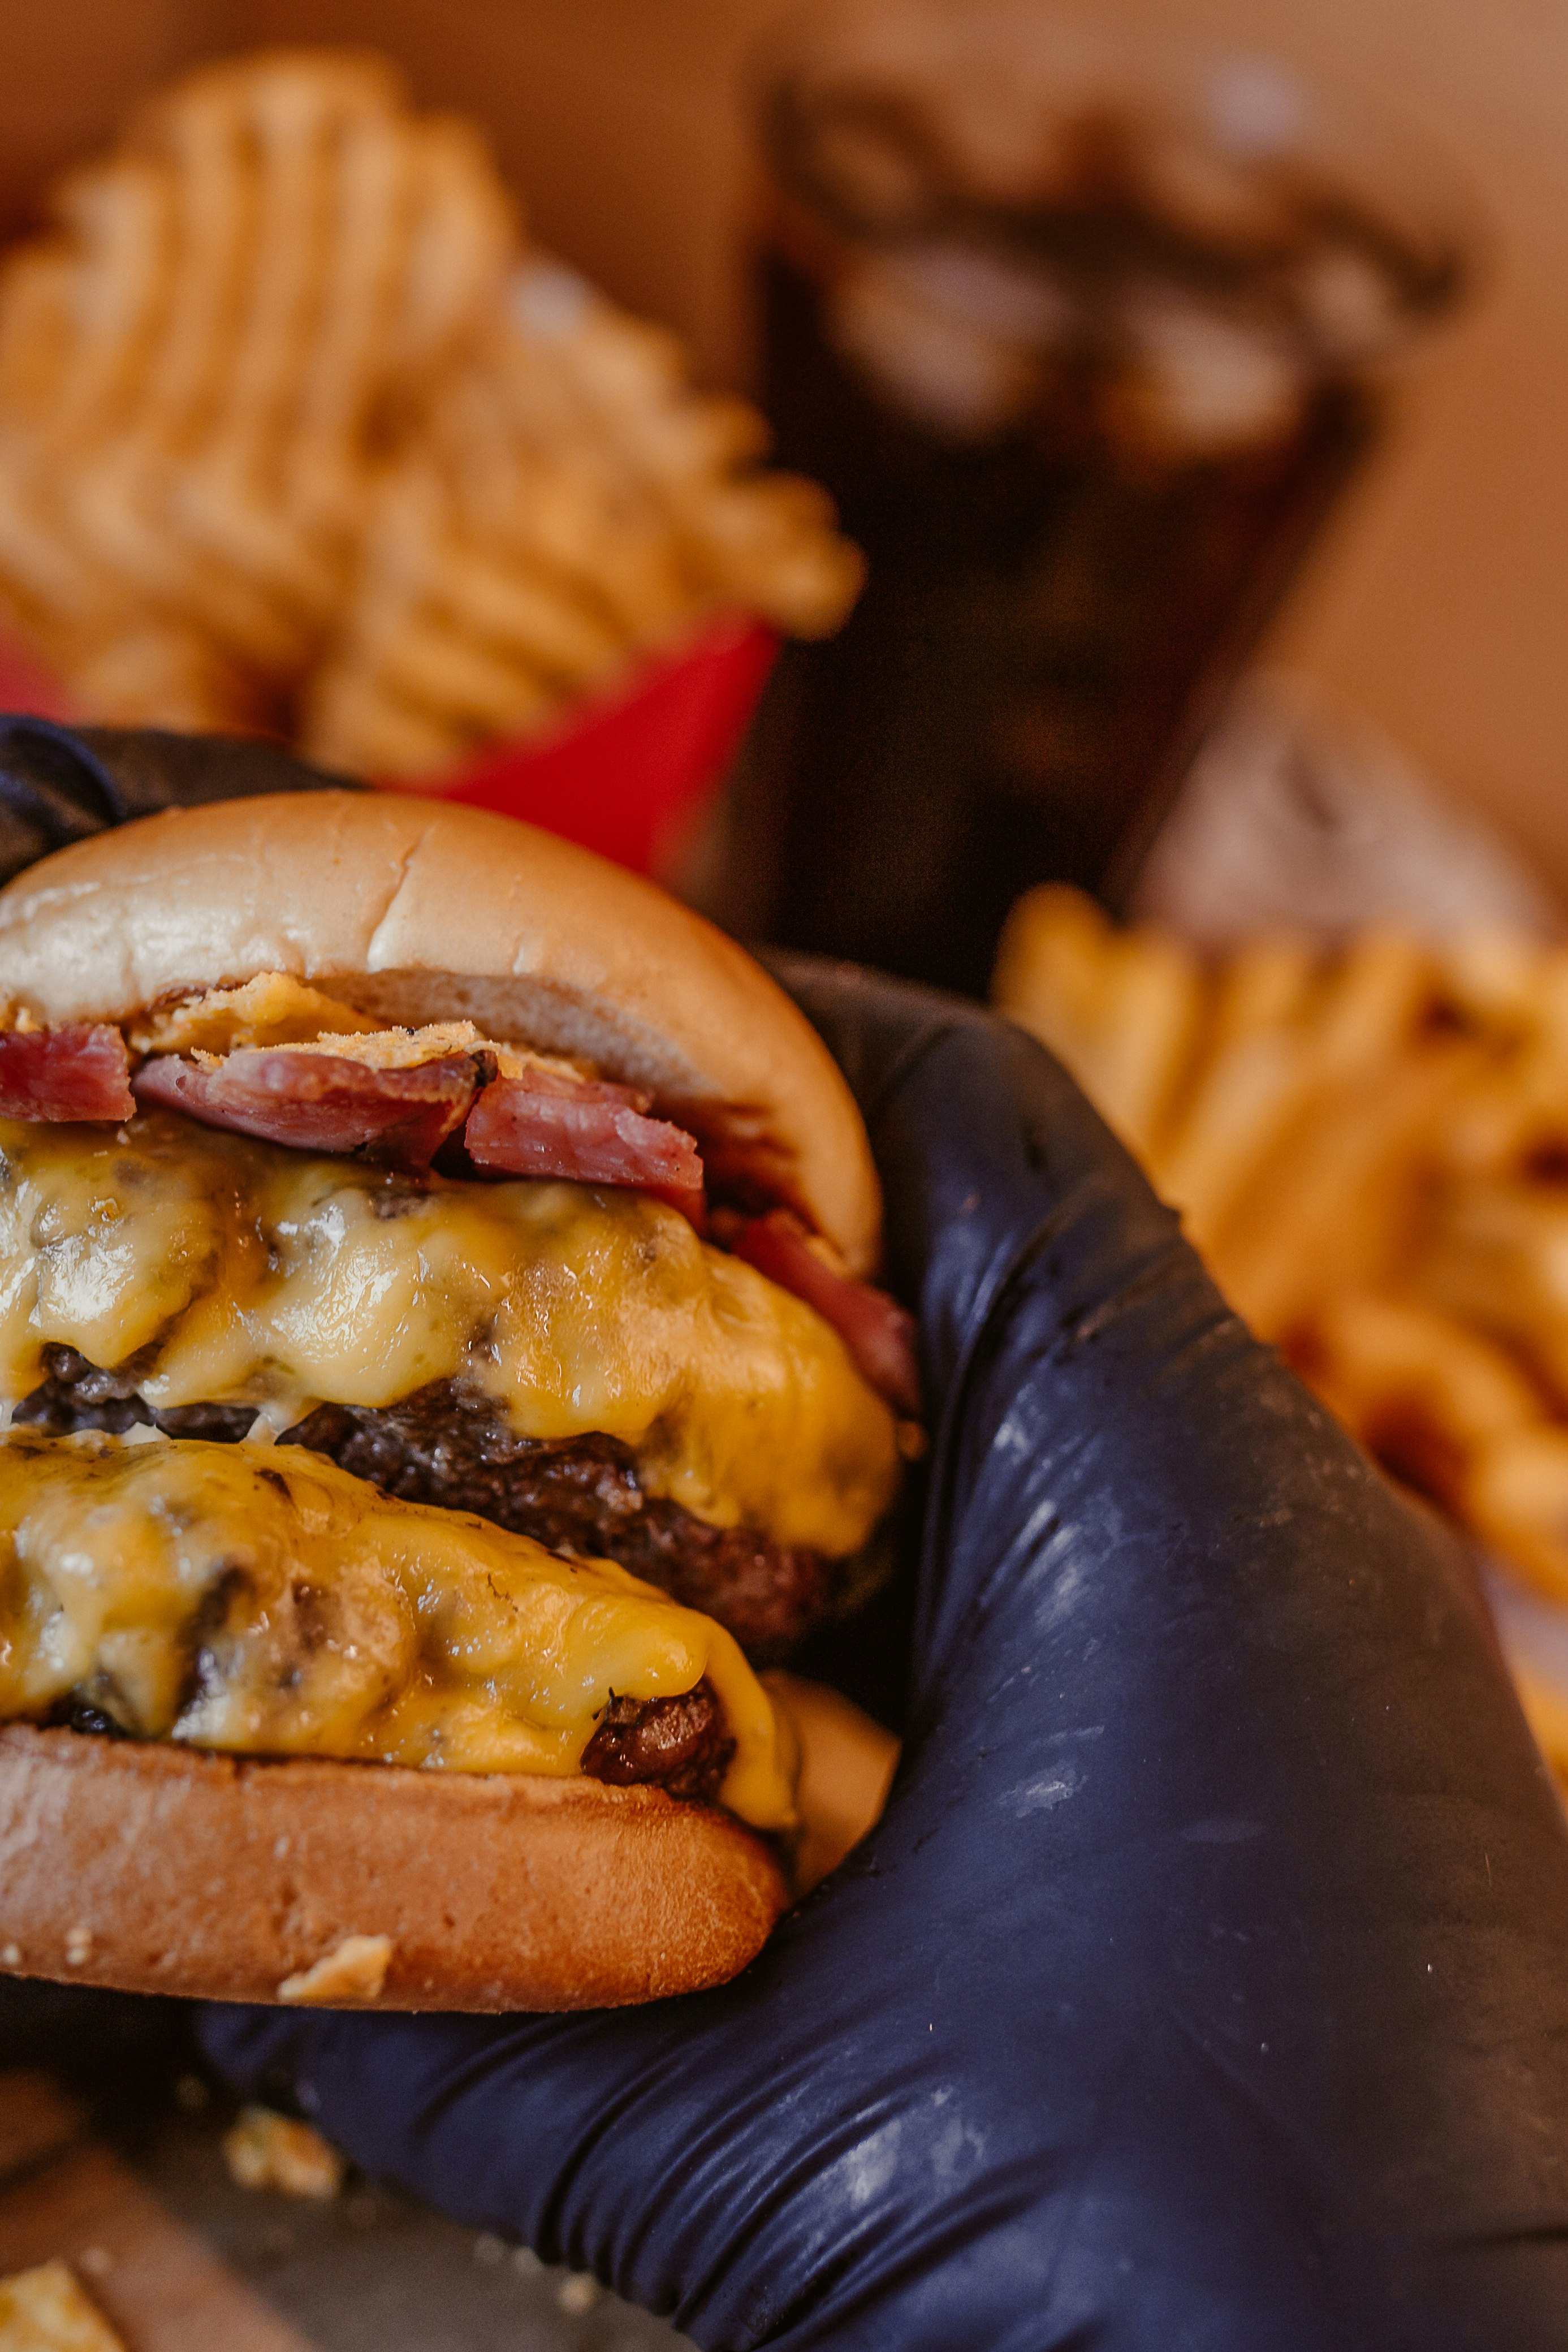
[(157, 1869), (847, 1764), (416, 910)]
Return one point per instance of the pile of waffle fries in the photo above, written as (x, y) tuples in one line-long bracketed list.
[(295, 435), (1369, 1148)]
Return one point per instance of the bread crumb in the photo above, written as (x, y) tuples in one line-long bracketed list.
[(353, 1970), (400, 1049), (10, 1956), (263, 2150), (78, 1947), (276, 1009), (45, 2310), (272, 1009), (577, 2293), (407, 1049)]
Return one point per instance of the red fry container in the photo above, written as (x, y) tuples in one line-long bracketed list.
[(26, 685), (626, 773)]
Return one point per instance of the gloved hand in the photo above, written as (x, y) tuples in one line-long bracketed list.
[(1204, 1983)]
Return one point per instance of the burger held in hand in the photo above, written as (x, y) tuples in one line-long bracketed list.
[(442, 1363)]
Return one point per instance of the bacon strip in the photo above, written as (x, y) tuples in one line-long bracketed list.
[(543, 1123), (320, 1102), (878, 1332), (79, 1070)]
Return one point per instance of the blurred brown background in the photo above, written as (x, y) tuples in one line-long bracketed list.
[(1440, 601)]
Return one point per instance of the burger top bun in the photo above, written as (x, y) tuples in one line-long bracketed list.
[(415, 910)]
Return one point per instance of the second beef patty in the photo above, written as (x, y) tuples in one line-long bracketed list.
[(446, 1444)]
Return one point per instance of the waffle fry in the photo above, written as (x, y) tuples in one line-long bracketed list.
[(293, 436), (279, 253), (569, 505), (1371, 1148)]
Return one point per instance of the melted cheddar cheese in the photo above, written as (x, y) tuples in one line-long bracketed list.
[(228, 1270), (264, 1602)]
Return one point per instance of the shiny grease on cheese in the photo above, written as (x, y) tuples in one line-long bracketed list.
[(264, 1602), (234, 1270)]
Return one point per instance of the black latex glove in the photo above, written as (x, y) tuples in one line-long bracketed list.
[(59, 783), (1206, 1982), (1203, 1984)]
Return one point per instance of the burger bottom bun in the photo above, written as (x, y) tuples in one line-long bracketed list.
[(158, 1869)]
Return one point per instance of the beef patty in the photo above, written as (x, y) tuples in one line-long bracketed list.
[(681, 1745), (436, 1447), (684, 1743), (447, 1445)]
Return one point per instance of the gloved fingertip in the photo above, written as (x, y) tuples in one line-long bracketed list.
[(251, 2047)]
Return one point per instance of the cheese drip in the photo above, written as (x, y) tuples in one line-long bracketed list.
[(233, 1271), (266, 1603)]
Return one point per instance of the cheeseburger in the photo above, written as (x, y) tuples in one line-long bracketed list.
[(439, 1365)]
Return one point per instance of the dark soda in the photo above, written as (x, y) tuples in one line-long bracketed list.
[(1085, 428)]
